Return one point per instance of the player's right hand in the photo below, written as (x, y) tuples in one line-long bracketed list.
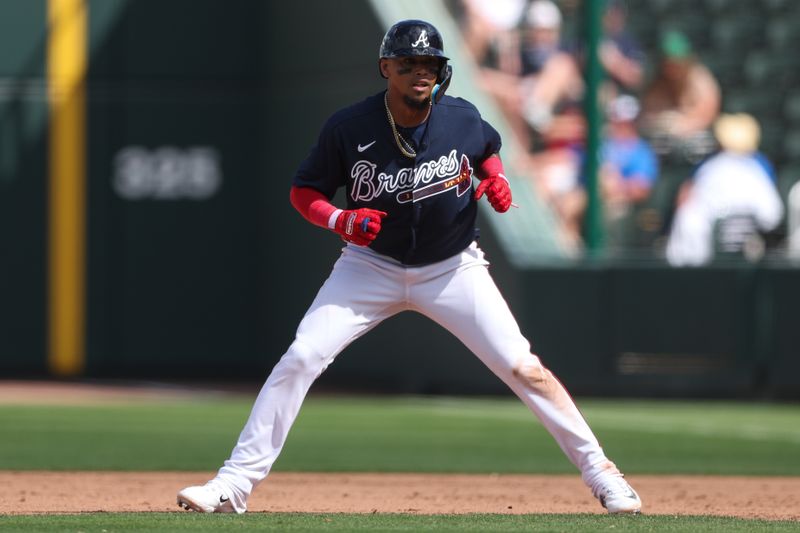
[(359, 226)]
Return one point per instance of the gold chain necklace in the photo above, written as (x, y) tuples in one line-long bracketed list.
[(405, 147)]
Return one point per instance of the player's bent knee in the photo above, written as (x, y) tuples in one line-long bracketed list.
[(533, 374), (303, 359)]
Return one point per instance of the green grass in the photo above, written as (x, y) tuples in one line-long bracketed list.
[(385, 434), (407, 434), (169, 522)]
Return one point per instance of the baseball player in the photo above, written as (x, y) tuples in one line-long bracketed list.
[(406, 158)]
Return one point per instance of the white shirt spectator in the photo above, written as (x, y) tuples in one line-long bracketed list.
[(728, 183)]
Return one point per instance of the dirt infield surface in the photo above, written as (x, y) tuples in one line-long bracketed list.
[(774, 498), (72, 492)]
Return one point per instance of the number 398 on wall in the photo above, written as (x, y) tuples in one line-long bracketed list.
[(167, 173)]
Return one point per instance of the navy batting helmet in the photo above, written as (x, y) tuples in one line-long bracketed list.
[(413, 38)]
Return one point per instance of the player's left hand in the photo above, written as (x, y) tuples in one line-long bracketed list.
[(497, 191)]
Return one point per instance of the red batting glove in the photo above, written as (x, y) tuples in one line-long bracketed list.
[(359, 226), (497, 191)]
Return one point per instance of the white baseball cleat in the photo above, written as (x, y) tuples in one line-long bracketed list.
[(208, 498), (615, 494)]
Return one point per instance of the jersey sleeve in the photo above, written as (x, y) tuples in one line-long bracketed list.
[(492, 141), (323, 169)]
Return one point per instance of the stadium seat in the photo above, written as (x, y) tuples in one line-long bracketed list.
[(727, 67), (791, 107), (664, 7), (736, 34), (761, 104), (764, 68), (791, 144), (772, 132), (788, 175), (724, 6), (779, 7), (783, 32)]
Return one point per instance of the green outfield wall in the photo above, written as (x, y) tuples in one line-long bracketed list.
[(23, 156), (198, 113)]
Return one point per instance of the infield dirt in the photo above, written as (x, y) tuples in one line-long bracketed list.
[(73, 492), (29, 492)]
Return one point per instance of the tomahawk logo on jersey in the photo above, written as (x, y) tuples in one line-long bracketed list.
[(429, 215)]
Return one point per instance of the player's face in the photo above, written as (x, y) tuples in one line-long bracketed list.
[(413, 77)]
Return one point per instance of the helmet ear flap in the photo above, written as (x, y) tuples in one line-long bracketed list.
[(442, 83), (442, 73)]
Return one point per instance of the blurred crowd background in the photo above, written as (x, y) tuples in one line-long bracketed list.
[(700, 102), (147, 149)]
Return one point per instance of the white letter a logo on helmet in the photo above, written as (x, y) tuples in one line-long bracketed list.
[(422, 39)]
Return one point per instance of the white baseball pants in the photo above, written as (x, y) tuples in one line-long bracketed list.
[(365, 288)]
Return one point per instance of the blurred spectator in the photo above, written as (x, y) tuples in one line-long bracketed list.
[(538, 81), (729, 201), (681, 103), (557, 182), (793, 221), (620, 53), (628, 170), (488, 27), (629, 167)]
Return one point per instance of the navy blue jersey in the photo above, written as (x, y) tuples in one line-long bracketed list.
[(429, 199)]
